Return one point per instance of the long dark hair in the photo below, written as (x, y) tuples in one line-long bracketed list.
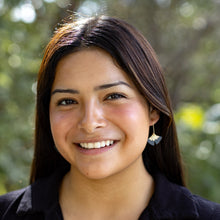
[(136, 57)]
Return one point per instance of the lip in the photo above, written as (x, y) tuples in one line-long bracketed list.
[(94, 151)]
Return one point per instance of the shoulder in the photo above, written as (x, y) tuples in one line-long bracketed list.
[(206, 209), (9, 200), (172, 201), (37, 199)]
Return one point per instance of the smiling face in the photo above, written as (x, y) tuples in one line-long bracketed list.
[(99, 121)]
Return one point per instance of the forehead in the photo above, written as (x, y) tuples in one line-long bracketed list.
[(89, 66)]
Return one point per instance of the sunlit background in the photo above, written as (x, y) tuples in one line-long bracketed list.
[(184, 34)]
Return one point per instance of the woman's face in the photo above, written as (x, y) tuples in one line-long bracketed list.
[(99, 121)]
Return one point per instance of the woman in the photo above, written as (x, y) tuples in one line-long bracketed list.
[(105, 143)]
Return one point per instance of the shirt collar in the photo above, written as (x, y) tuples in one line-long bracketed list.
[(170, 201), (42, 195)]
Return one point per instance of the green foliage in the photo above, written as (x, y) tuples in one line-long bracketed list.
[(22, 45), (185, 35), (200, 140)]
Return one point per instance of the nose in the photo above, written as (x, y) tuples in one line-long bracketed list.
[(91, 118)]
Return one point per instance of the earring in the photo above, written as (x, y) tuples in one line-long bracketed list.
[(154, 139)]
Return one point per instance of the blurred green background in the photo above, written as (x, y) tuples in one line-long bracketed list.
[(186, 37)]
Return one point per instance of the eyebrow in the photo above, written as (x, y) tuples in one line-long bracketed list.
[(101, 87), (106, 86), (72, 91)]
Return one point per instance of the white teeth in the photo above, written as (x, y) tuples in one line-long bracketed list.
[(97, 145), (90, 145), (102, 144), (93, 145)]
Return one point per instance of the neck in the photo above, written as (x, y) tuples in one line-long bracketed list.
[(131, 187)]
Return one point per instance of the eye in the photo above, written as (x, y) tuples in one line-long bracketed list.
[(65, 102), (114, 96)]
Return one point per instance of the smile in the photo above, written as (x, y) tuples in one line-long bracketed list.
[(95, 145)]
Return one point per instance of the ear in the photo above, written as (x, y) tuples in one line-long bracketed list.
[(154, 116)]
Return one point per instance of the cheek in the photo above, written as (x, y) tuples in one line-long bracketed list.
[(61, 123), (131, 117)]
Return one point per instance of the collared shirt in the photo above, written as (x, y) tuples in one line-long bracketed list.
[(170, 201)]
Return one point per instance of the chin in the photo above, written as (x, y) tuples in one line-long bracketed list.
[(96, 173)]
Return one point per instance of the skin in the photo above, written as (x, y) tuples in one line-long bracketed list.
[(93, 100)]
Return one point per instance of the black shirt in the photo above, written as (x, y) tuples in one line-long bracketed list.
[(40, 201)]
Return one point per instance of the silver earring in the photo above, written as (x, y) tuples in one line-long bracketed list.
[(154, 139)]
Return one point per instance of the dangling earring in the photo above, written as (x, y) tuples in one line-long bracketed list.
[(154, 139)]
